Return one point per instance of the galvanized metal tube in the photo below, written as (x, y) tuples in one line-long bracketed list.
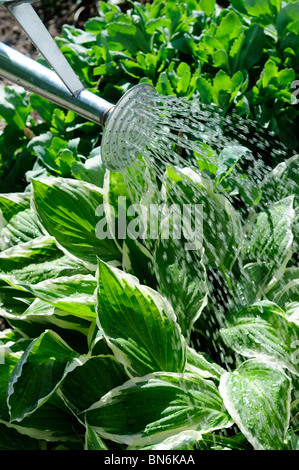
[(36, 78)]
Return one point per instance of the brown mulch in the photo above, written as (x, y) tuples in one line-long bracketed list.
[(53, 16)]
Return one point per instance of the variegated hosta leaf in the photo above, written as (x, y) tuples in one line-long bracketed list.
[(138, 323), (35, 250), (251, 283), (184, 440), (87, 383), (93, 440), (38, 260), (12, 203), (147, 410), (282, 181), (40, 316), (67, 210), (74, 294), (38, 373), (10, 439), (220, 222), (285, 291), (270, 237), (257, 395), (199, 363), (263, 331), (51, 421), (21, 228), (182, 279)]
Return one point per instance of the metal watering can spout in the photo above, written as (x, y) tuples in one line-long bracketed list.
[(63, 87)]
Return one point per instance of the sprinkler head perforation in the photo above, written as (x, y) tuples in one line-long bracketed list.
[(127, 128)]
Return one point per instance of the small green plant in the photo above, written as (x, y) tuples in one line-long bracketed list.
[(242, 58)]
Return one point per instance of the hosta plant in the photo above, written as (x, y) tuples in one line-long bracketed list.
[(98, 355)]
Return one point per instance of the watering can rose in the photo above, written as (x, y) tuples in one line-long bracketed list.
[(139, 221)]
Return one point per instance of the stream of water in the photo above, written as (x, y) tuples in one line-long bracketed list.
[(193, 157)]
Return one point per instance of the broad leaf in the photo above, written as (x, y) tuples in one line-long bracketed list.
[(50, 422), (12, 203), (79, 393), (185, 440), (270, 237), (10, 439), (282, 181), (220, 223), (199, 363), (68, 211), (262, 330), (138, 323), (38, 373), (93, 440), (22, 227), (149, 409), (257, 396), (40, 316), (183, 280), (75, 294)]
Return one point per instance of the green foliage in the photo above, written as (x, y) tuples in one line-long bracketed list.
[(242, 58)]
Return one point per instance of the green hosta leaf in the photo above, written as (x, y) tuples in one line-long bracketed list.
[(21, 228), (50, 421), (221, 225), (37, 250), (12, 203), (67, 209), (285, 293), (185, 440), (38, 373), (93, 440), (138, 324), (257, 396), (270, 238), (80, 393), (282, 181), (147, 410), (182, 279), (40, 316), (263, 331), (199, 363), (10, 439), (75, 294)]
